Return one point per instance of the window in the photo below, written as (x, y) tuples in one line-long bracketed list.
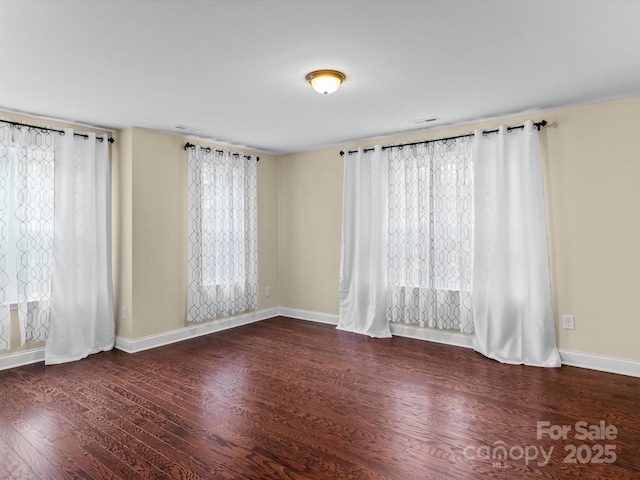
[(224, 222), (26, 229), (222, 234), (430, 234)]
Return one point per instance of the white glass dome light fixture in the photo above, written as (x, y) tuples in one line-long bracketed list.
[(326, 81)]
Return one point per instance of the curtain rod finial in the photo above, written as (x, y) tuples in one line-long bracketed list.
[(540, 124)]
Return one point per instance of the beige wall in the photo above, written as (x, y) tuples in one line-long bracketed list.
[(121, 170), (310, 204), (159, 232), (591, 167), (591, 161), (593, 155)]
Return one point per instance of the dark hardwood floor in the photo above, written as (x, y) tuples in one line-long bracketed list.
[(291, 399)]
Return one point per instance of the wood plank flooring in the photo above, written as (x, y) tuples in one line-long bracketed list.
[(289, 399)]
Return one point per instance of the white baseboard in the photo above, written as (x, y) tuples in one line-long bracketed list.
[(431, 335), (18, 359), (601, 363), (133, 345), (401, 330), (575, 359), (307, 315)]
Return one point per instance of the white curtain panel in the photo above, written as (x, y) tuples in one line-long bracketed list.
[(363, 266), (82, 317), (222, 234), (431, 235), (513, 318)]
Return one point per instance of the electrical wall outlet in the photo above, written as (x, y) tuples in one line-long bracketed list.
[(124, 313), (568, 322), (267, 292)]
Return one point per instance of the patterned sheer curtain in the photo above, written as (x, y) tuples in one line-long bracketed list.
[(222, 234), (26, 230), (431, 235)]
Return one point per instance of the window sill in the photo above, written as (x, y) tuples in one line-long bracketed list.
[(14, 306)]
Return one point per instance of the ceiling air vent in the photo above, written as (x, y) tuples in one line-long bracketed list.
[(187, 129), (424, 120)]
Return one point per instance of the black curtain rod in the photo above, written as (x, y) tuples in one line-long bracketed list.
[(209, 149), (48, 129), (538, 125)]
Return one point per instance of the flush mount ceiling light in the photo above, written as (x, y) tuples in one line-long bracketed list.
[(326, 81)]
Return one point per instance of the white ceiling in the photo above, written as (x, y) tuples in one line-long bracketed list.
[(234, 71)]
